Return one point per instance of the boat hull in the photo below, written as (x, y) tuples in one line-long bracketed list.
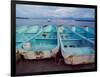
[(81, 59), (33, 55)]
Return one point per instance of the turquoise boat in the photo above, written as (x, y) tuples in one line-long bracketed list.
[(44, 45), (21, 29), (23, 34), (89, 29), (74, 48), (86, 34)]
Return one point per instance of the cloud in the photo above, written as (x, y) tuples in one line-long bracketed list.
[(53, 11), (74, 12)]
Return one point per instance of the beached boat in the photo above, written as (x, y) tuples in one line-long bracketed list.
[(43, 45), (25, 34), (87, 34), (21, 29), (89, 29), (75, 49)]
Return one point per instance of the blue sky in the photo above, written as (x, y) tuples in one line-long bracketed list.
[(37, 11)]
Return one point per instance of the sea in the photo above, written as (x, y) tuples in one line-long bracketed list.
[(65, 22)]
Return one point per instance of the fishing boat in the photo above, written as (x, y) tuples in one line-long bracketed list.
[(89, 29), (75, 49), (25, 33), (21, 29), (43, 45), (86, 34)]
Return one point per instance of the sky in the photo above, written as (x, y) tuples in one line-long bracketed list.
[(38, 11)]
